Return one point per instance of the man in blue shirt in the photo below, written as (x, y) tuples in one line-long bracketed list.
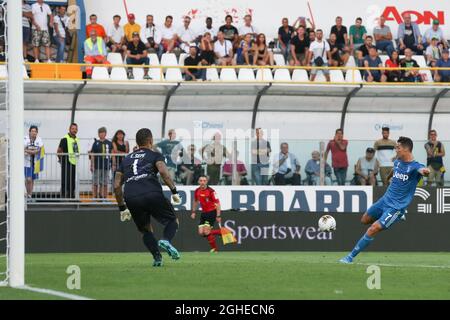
[(390, 209), (373, 61), (443, 62), (100, 164)]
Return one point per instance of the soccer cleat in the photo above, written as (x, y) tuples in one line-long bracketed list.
[(347, 260), (214, 251), (403, 217), (158, 263), (169, 248)]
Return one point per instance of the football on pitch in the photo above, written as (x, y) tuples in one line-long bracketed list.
[(327, 223)]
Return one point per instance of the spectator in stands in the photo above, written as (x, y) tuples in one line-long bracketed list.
[(299, 46), (383, 37), (364, 50), (318, 56), (338, 147), (443, 62), (373, 61), (94, 52), (171, 149), (115, 37), (244, 54), (433, 53), (338, 57), (385, 149), (261, 151), (190, 167), (208, 28), (241, 171), (61, 21), (357, 35), (137, 55), (261, 54), (393, 62), (435, 154), (27, 16), (367, 169), (207, 50), (248, 28), (435, 31), (121, 148), (42, 17), (312, 171), (186, 35), (409, 35), (151, 37), (286, 167), (341, 33), (95, 26), (213, 154), (168, 35), (100, 164), (409, 75), (194, 59), (302, 21), (33, 145), (68, 153), (131, 27), (285, 34), (312, 36), (224, 52), (230, 32)]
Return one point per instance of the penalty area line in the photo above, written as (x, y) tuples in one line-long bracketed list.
[(54, 293), (403, 265)]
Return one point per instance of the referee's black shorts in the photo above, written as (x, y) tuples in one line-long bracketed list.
[(147, 205), (208, 217)]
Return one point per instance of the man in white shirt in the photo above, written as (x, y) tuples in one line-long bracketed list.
[(318, 56), (151, 37), (115, 36), (247, 28), (223, 50), (61, 22), (168, 35), (208, 28), (186, 35), (32, 147), (40, 34), (435, 32)]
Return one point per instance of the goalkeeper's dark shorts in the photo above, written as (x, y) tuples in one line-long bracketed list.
[(208, 218), (152, 204)]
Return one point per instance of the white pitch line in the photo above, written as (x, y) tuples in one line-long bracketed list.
[(402, 265), (54, 293)]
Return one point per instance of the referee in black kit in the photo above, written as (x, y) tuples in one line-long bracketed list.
[(144, 197)]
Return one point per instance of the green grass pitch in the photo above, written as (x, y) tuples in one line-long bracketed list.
[(239, 275)]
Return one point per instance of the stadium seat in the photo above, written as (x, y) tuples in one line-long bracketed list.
[(174, 74), (114, 58), (3, 71), (264, 75), (336, 76), (100, 73), (282, 75), (246, 74), (428, 77), (228, 75), (353, 76), (154, 60), (169, 59), (212, 74), (320, 77), (138, 73), (279, 59), (300, 75), (25, 73), (384, 58), (183, 57), (351, 62), (118, 74), (155, 74)]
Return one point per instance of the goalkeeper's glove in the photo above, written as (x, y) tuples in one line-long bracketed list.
[(125, 214), (176, 199)]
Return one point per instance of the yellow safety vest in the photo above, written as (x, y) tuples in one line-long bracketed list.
[(73, 152), (99, 45)]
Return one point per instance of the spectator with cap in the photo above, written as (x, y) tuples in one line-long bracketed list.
[(33, 145), (435, 154), (193, 74), (443, 62), (95, 26), (286, 167), (100, 157), (367, 168), (131, 27), (409, 36), (137, 55), (385, 150), (433, 53), (94, 51), (435, 32), (115, 37)]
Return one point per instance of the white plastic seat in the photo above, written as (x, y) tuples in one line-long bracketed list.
[(183, 57), (423, 64), (212, 74), (282, 75), (246, 74), (353, 76), (228, 75), (138, 73), (25, 72), (320, 77), (114, 58), (118, 73), (3, 71), (279, 59), (174, 74), (336, 76), (384, 58), (420, 61), (155, 74), (154, 60), (169, 59), (300, 75), (264, 75), (351, 63), (100, 73)]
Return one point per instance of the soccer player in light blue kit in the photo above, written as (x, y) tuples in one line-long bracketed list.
[(406, 174)]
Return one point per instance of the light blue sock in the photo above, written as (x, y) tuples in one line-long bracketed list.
[(361, 245)]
